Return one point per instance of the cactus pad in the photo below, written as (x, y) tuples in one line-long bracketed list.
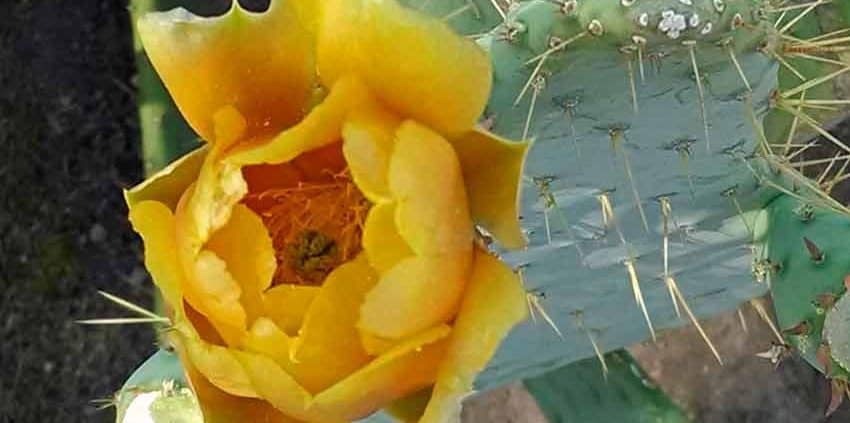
[(808, 248)]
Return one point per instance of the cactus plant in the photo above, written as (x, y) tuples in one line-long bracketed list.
[(157, 391), (586, 392), (654, 158), (654, 125), (807, 248), (666, 178)]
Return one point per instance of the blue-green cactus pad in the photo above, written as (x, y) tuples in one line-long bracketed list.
[(587, 92)]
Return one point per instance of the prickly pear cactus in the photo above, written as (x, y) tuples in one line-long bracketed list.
[(806, 249), (638, 182), (587, 392), (661, 131), (157, 392)]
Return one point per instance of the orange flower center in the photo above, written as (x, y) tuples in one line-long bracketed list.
[(315, 226)]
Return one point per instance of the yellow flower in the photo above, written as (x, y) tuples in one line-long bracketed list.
[(318, 253)]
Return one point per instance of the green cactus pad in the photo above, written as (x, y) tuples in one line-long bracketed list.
[(158, 390), (582, 393), (802, 280)]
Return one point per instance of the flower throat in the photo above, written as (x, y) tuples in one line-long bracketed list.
[(314, 226)]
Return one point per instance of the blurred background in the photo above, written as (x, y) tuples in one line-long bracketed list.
[(70, 142)]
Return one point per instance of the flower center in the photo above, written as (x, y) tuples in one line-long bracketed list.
[(314, 226), (312, 255)]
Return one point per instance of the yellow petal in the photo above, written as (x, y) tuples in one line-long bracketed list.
[(215, 362), (381, 240), (218, 292), (418, 293), (403, 370), (245, 246), (221, 407), (261, 64), (415, 64), (155, 223), (493, 303), (205, 207), (278, 387), (209, 325), (323, 126), (369, 137), (287, 304), (207, 204), (492, 171), (426, 181), (267, 339), (167, 185), (375, 345), (328, 347), (229, 125)]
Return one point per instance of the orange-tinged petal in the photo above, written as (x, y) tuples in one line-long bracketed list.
[(407, 368), (410, 408), (328, 346), (321, 164), (215, 362), (229, 125), (415, 64), (264, 177), (201, 325), (492, 172), (369, 137), (375, 345), (418, 293), (427, 183), (221, 407), (287, 304), (493, 303), (167, 185), (245, 246), (323, 126), (155, 223), (261, 64), (381, 240)]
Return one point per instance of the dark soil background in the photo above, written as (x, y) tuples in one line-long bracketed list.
[(69, 143)]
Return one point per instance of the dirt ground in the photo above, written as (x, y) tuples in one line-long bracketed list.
[(747, 389), (69, 144)]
